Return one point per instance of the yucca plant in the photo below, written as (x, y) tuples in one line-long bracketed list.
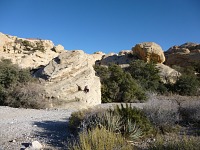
[(131, 131), (103, 119), (111, 122), (131, 115)]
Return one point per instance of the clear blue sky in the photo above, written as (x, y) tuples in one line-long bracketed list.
[(103, 25)]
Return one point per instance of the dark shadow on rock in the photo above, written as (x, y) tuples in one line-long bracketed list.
[(55, 133), (117, 59)]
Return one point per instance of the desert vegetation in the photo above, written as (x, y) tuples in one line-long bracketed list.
[(134, 82), (164, 123), (18, 88)]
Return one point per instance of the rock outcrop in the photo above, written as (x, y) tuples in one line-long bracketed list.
[(122, 59), (70, 77), (183, 55), (28, 53), (149, 51), (167, 74)]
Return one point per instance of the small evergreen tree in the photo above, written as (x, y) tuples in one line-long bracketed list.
[(146, 74), (118, 85)]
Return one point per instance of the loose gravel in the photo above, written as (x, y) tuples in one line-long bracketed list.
[(19, 127)]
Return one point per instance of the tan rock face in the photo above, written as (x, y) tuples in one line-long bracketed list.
[(183, 55), (71, 78), (59, 48), (167, 74), (27, 53), (149, 51)]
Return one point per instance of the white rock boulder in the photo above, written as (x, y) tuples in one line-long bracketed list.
[(70, 77)]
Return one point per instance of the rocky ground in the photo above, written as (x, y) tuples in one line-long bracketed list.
[(19, 127)]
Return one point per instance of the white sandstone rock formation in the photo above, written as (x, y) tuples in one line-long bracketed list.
[(70, 77), (28, 53)]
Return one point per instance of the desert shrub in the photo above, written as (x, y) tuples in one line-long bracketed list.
[(3, 95), (27, 96), (164, 114), (187, 85), (183, 143), (99, 139), (26, 43), (111, 120), (187, 70), (134, 115), (76, 118), (11, 74), (146, 74), (118, 85), (40, 46), (17, 88), (190, 111)]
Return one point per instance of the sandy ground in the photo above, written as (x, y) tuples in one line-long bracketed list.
[(19, 127)]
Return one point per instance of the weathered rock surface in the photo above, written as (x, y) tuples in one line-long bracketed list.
[(28, 53), (70, 77), (183, 55), (149, 51), (167, 74), (122, 59)]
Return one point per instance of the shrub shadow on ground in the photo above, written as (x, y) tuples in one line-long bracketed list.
[(55, 133)]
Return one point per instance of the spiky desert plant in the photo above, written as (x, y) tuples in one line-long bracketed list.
[(111, 122), (136, 116), (106, 119), (131, 130)]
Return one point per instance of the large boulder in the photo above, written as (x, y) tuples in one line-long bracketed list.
[(70, 77), (26, 52), (183, 55), (167, 74), (149, 51)]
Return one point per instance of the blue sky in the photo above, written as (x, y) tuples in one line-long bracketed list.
[(103, 25)]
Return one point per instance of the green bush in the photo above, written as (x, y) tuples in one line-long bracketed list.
[(17, 88), (118, 85), (11, 74), (99, 139), (146, 74), (187, 85)]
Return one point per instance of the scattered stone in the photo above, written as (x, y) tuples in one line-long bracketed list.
[(12, 141), (35, 145)]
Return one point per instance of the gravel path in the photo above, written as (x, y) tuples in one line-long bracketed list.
[(19, 127)]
